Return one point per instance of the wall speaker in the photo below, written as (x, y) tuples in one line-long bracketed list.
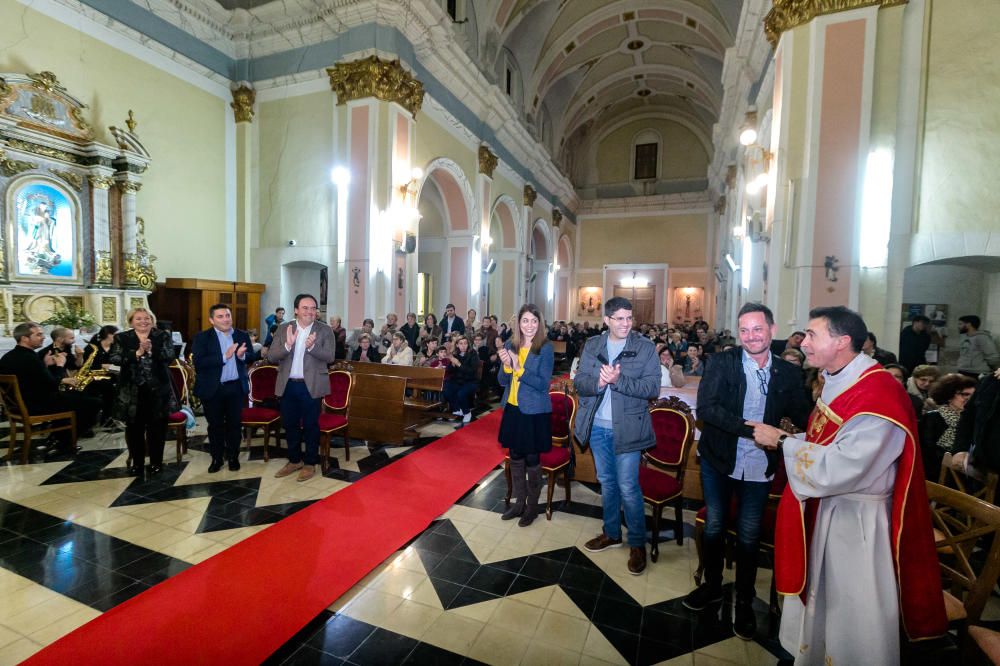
[(410, 243)]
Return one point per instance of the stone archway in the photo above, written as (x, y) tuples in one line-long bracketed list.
[(564, 301), (504, 283), (540, 263)]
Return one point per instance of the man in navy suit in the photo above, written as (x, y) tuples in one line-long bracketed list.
[(221, 356)]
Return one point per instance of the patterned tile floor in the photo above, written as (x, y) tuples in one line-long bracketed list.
[(79, 536)]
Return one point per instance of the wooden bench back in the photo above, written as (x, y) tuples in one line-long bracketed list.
[(424, 379), (376, 411)]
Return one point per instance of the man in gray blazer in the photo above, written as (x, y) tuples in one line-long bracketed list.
[(302, 348)]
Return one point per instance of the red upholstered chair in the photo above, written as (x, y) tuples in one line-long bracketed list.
[(333, 418), (661, 475), (177, 421), (557, 460), (263, 378)]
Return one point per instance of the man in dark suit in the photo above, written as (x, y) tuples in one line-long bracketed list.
[(302, 348), (742, 387), (40, 389), (221, 356), (450, 323)]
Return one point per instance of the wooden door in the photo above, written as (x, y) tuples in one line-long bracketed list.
[(643, 303)]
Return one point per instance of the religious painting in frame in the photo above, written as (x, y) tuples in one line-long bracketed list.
[(590, 302), (44, 233)]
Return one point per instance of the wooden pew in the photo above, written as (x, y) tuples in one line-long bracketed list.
[(377, 411)]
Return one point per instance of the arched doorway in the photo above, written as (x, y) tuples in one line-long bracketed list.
[(444, 240), (301, 277), (503, 283), (540, 285), (564, 301)]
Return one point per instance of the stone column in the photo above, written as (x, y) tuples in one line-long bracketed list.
[(377, 103), (527, 221), (127, 190), (100, 186), (242, 105)]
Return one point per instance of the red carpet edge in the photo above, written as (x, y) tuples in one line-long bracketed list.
[(242, 604)]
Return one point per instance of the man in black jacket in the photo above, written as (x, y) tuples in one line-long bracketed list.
[(742, 384)]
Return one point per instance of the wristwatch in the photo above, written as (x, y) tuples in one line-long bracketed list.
[(781, 439)]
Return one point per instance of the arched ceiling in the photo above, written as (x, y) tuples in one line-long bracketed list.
[(584, 62)]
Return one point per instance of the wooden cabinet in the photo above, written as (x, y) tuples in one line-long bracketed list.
[(185, 302)]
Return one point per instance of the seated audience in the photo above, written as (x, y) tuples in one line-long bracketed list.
[(920, 382), (366, 351), (412, 332), (693, 366), (671, 374), (794, 356), (339, 338), (428, 354), (353, 342), (938, 426), (871, 348), (388, 330), (461, 380), (977, 439), (901, 375), (104, 390), (399, 352), (490, 361), (255, 340), (677, 346), (430, 329)]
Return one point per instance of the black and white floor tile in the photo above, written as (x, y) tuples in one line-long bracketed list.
[(79, 536)]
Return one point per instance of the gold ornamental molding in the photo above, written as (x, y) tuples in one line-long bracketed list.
[(74, 179), (9, 167), (529, 195), (374, 77), (242, 105), (129, 186), (100, 182), (109, 309), (44, 151), (487, 161), (102, 267), (788, 14)]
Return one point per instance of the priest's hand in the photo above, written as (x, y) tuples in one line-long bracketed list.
[(766, 436)]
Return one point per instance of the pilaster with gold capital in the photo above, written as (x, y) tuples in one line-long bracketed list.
[(244, 97), (100, 188)]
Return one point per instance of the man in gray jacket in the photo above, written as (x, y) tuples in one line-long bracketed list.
[(978, 353), (618, 374), (302, 348)]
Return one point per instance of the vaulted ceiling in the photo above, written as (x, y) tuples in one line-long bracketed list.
[(586, 62)]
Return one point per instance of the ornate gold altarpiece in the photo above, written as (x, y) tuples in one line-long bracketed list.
[(69, 232)]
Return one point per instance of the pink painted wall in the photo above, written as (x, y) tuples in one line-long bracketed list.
[(507, 228), (839, 160), (400, 289), (561, 296), (459, 291), (453, 199), (359, 219), (510, 290)]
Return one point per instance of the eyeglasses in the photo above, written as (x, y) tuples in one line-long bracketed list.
[(762, 380), (620, 320)]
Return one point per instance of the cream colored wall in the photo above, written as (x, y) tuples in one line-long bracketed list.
[(677, 240), (958, 189), (433, 141), (296, 196), (183, 196), (681, 154)]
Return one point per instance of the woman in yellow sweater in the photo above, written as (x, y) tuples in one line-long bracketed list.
[(526, 426)]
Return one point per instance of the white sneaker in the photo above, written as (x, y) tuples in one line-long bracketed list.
[(457, 412), (467, 418)]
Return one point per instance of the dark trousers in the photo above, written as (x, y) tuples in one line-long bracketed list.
[(223, 412), (751, 496), (300, 416), (459, 396), (84, 406), (148, 430), (105, 390)]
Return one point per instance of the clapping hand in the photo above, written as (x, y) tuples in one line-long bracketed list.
[(291, 333), (145, 346), (50, 358), (232, 349), (311, 340), (609, 374)]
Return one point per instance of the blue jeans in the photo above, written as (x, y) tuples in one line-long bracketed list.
[(751, 497), (300, 416), (459, 396), (618, 475)]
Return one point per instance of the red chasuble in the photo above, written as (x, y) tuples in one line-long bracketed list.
[(876, 393)]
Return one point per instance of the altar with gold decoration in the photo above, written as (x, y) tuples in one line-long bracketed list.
[(70, 233)]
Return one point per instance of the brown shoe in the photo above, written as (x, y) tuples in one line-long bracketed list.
[(602, 542), (308, 472), (288, 469), (636, 560)]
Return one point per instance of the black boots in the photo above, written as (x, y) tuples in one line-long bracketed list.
[(519, 490), (534, 490)]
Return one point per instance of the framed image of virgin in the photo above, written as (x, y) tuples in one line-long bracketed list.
[(45, 233)]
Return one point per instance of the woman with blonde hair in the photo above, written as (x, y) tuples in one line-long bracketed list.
[(145, 390), (526, 427)]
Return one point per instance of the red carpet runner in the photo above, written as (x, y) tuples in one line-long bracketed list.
[(241, 605)]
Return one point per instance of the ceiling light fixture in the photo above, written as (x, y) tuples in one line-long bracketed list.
[(748, 131), (635, 45)]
